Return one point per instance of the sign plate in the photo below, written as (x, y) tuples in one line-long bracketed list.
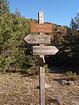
[(37, 39), (44, 50), (45, 28)]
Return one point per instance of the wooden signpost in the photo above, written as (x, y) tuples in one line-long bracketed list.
[(44, 50), (37, 39), (41, 50), (37, 28)]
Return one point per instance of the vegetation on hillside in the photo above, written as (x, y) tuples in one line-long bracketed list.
[(68, 46), (16, 54)]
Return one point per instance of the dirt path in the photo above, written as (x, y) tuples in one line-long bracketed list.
[(17, 89)]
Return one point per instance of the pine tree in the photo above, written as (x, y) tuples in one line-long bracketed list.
[(17, 13), (75, 22), (4, 6)]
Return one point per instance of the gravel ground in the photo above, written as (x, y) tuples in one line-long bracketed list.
[(17, 89)]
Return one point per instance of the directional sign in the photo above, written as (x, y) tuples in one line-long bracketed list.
[(36, 27), (41, 50), (37, 39), (44, 50)]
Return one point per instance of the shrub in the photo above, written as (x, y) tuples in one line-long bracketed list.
[(70, 75), (46, 68)]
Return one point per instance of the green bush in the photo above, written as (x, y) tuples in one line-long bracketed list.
[(15, 53), (70, 75), (46, 68)]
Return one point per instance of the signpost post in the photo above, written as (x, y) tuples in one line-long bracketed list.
[(41, 50), (42, 70)]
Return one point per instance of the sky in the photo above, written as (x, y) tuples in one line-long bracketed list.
[(55, 11)]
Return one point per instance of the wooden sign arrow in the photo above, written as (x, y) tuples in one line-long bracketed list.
[(37, 39), (44, 50)]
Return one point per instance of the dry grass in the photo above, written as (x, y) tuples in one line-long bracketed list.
[(17, 89)]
